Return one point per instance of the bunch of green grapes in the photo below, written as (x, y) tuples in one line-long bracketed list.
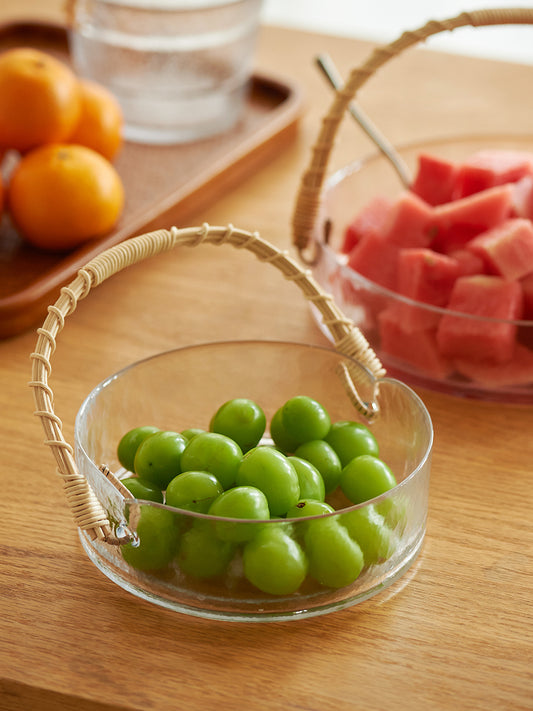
[(240, 493)]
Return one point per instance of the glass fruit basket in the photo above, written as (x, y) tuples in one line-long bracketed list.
[(260, 528), (409, 335), (436, 270)]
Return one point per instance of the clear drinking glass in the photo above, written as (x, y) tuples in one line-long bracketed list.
[(179, 68)]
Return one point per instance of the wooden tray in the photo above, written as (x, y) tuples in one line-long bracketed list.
[(164, 184)]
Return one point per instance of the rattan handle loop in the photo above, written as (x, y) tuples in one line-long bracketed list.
[(89, 514), (308, 198)]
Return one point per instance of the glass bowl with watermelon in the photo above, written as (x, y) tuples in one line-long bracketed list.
[(438, 276)]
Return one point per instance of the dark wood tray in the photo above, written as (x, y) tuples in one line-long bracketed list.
[(164, 184)]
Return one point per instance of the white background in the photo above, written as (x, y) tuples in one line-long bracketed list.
[(384, 20)]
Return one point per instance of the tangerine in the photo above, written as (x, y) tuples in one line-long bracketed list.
[(101, 120), (39, 99), (62, 195)]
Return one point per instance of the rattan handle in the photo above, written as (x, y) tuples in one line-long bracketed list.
[(89, 514), (308, 198)]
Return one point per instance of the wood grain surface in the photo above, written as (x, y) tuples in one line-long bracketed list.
[(455, 633)]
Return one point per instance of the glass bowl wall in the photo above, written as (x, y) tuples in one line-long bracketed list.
[(366, 302), (182, 389)]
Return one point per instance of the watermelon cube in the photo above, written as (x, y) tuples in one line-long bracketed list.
[(478, 339), (523, 197), (435, 179), (469, 263), (369, 219), (454, 237), (359, 302), (507, 249), (410, 222), (488, 168), (415, 349), (426, 276), (517, 371), (460, 221), (374, 257)]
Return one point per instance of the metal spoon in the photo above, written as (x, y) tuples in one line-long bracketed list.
[(325, 63)]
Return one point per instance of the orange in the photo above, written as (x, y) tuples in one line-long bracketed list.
[(39, 99), (62, 195), (101, 120)]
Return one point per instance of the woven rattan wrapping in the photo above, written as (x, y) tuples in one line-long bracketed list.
[(308, 199)]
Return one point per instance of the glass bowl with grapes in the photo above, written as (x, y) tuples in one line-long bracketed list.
[(251, 487)]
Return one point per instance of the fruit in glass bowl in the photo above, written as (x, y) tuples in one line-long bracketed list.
[(270, 541), (438, 277)]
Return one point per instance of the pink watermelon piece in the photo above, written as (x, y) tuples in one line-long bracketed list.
[(454, 238), (507, 249), (460, 221), (375, 258), (469, 263), (523, 197), (483, 296), (425, 275), (517, 371), (370, 219), (428, 277), (416, 349), (410, 222), (435, 179), (361, 304), (488, 168)]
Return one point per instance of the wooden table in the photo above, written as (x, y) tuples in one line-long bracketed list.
[(457, 636)]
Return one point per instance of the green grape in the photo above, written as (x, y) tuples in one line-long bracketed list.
[(191, 432), (368, 528), (394, 511), (201, 553), (286, 527), (141, 489), (214, 453), (274, 562), (350, 440), (335, 559), (272, 473), (242, 502), (309, 478), (279, 434), (324, 458), (193, 491), (158, 458), (157, 543), (309, 507), (304, 508), (305, 419), (242, 420), (129, 444), (366, 477)]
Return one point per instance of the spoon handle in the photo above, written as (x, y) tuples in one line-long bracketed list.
[(327, 67)]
